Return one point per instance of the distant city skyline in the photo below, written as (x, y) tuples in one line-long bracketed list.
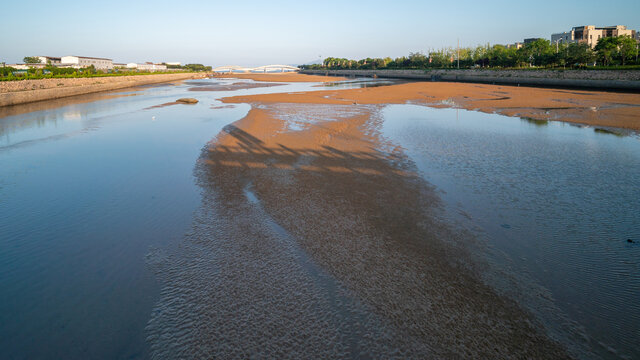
[(284, 32)]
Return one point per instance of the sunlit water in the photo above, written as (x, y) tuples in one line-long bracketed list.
[(556, 206), (88, 190)]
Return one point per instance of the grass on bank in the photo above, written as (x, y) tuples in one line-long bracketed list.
[(38, 74), (52, 72)]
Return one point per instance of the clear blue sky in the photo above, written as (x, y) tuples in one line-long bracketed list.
[(289, 32)]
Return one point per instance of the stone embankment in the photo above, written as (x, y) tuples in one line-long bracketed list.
[(26, 91), (627, 80)]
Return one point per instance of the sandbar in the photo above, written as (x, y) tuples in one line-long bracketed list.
[(399, 283), (595, 108)]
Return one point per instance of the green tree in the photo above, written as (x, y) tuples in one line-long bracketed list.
[(500, 56), (579, 53), (6, 71), (197, 67), (627, 48), (605, 49), (539, 52), (32, 60), (89, 70)]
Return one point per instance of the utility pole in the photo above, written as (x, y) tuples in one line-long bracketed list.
[(458, 53)]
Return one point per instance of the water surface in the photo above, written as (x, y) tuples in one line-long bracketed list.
[(88, 189), (556, 205)]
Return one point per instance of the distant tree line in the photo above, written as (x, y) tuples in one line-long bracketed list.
[(541, 53), (190, 67), (32, 60), (50, 71)]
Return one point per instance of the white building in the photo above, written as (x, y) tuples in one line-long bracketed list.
[(147, 66), (27, 66), (50, 59), (84, 61), (173, 63)]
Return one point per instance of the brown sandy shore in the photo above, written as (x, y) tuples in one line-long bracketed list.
[(596, 108), (27, 91), (400, 283)]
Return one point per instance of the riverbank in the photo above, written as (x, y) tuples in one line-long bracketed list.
[(595, 108), (27, 91), (282, 77), (624, 80)]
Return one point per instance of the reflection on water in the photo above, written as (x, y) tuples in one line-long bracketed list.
[(615, 132), (555, 204), (87, 186), (536, 122)]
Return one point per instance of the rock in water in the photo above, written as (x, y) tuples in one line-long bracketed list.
[(187, 101)]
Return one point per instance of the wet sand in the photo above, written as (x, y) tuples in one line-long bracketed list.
[(316, 239), (595, 108), (282, 77)]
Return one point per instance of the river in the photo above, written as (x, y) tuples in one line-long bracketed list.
[(96, 192)]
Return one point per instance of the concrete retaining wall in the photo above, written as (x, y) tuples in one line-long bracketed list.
[(596, 79), (100, 84)]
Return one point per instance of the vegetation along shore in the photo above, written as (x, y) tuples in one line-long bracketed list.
[(620, 52)]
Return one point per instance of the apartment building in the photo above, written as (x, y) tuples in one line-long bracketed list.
[(590, 34)]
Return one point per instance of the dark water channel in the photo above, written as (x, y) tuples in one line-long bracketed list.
[(88, 189)]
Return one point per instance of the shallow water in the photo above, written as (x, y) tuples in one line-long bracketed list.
[(86, 190), (91, 193), (555, 205)]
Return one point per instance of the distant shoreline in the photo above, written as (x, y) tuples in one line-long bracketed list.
[(618, 80), (28, 91)]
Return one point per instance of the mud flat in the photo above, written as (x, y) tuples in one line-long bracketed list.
[(317, 239), (27, 91), (595, 108)]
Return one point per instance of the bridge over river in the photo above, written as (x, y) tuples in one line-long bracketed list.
[(265, 68)]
